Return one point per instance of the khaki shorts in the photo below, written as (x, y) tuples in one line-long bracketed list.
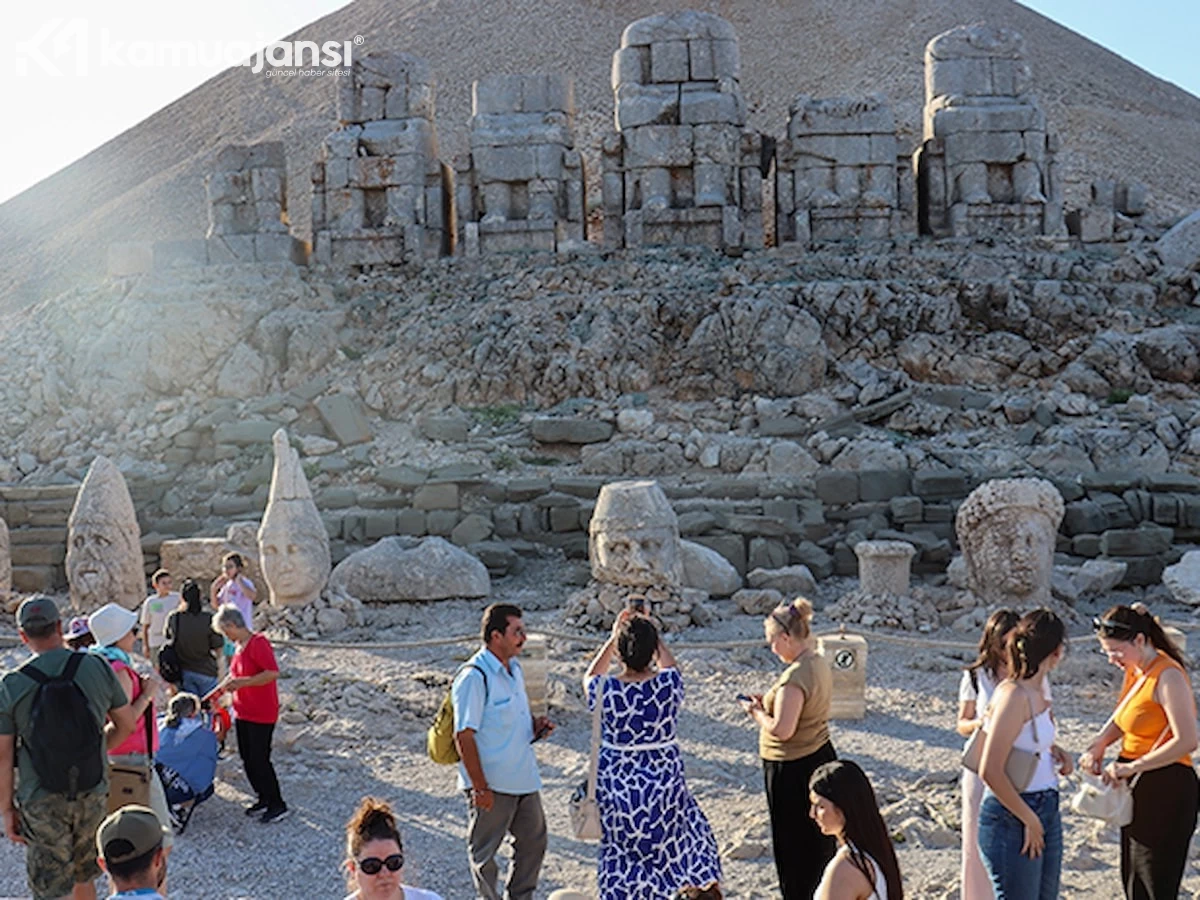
[(62, 842)]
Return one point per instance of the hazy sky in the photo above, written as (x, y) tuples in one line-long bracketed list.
[(104, 53)]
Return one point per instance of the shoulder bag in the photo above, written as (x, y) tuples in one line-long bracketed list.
[(128, 783), (1020, 766), (582, 808)]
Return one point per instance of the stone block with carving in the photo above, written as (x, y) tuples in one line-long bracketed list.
[(521, 186), (681, 168), (104, 543), (293, 545), (837, 175), (1007, 530), (380, 193), (986, 166)]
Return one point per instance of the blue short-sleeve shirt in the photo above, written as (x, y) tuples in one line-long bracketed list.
[(500, 718)]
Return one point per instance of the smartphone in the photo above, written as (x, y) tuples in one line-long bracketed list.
[(636, 603), (745, 698)]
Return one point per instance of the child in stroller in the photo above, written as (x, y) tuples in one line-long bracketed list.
[(187, 757)]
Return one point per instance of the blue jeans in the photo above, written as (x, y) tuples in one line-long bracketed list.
[(1014, 875), (198, 683)]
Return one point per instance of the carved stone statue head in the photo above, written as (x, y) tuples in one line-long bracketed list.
[(1007, 530), (634, 536), (293, 545), (104, 544)]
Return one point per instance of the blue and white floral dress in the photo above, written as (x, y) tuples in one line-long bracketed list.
[(655, 838)]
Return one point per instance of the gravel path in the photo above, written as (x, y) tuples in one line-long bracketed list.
[(355, 724)]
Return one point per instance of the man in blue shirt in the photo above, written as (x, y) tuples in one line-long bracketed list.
[(494, 732)]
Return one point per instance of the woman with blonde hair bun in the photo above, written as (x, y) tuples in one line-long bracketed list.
[(375, 856), (793, 741)]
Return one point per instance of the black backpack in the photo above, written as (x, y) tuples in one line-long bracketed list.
[(66, 743)]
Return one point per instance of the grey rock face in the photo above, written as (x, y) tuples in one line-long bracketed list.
[(397, 569)]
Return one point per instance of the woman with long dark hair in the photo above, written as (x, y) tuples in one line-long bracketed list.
[(979, 682), (1020, 830), (189, 630), (844, 807), (793, 740), (1155, 723)]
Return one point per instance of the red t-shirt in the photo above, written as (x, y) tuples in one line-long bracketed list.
[(255, 704)]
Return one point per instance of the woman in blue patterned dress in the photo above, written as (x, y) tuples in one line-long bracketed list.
[(655, 838)]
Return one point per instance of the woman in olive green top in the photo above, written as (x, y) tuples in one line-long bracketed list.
[(793, 741)]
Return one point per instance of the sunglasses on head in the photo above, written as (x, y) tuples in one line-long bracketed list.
[(372, 865), (1111, 628)]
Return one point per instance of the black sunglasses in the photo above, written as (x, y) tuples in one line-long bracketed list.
[(372, 865), (1109, 627)]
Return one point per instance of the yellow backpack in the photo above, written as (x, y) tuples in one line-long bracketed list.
[(439, 740)]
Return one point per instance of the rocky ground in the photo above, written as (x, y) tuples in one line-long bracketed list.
[(355, 720)]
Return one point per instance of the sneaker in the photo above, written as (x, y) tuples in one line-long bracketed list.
[(275, 815), (254, 810)]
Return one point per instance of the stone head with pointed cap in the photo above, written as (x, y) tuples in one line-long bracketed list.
[(104, 543), (293, 545)]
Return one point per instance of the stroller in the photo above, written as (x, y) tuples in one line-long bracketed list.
[(187, 765)]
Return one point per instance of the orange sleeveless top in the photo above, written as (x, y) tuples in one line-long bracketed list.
[(1143, 719)]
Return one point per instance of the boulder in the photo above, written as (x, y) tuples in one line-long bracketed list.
[(1183, 579), (790, 581), (708, 570), (1099, 576), (570, 430), (1180, 246), (757, 602), (399, 569)]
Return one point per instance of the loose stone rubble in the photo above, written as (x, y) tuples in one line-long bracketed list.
[(293, 545), (104, 548), (380, 193), (522, 186)]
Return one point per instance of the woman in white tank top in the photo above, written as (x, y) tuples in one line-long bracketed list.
[(844, 807)]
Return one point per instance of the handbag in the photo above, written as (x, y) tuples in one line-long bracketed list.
[(129, 783), (168, 664), (582, 808), (1113, 803), (1021, 765)]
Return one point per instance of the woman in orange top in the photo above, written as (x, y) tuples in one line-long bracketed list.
[(1156, 725)]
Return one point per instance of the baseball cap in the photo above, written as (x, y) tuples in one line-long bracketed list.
[(77, 628), (36, 612), (130, 832)]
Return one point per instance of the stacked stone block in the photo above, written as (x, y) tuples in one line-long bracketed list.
[(836, 174), (681, 168), (986, 166), (521, 187), (247, 207), (380, 193)]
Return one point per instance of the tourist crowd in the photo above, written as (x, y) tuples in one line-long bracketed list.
[(77, 725)]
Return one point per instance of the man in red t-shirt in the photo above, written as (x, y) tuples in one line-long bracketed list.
[(253, 672)]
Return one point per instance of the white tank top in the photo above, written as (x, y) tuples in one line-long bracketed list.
[(879, 890)]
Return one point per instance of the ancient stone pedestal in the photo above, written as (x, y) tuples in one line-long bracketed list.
[(247, 207), (380, 194), (521, 187), (293, 544), (1007, 530), (847, 658), (681, 168), (986, 166), (104, 542), (883, 566), (836, 172), (536, 665)]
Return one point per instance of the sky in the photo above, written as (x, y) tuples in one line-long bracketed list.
[(87, 70)]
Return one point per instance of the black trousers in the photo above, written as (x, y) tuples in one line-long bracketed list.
[(801, 851), (1154, 846), (254, 746)]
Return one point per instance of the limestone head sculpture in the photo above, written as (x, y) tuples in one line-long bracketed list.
[(293, 545), (634, 536)]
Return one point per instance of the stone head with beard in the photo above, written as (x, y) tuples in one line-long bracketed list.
[(104, 544)]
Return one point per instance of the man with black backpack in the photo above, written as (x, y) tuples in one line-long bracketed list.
[(52, 724)]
